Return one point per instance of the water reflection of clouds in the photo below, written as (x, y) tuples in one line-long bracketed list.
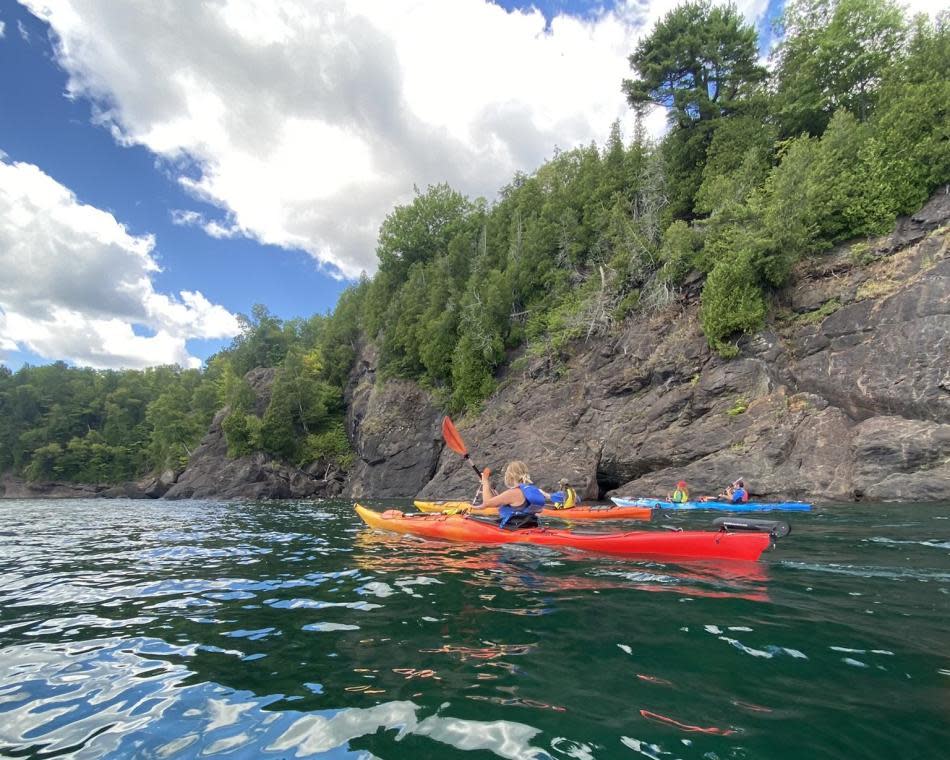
[(179, 593), (316, 604), (122, 697), (503, 737)]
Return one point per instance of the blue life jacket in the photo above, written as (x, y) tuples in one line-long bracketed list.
[(739, 496), (534, 503)]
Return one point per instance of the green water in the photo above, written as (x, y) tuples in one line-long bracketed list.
[(196, 629)]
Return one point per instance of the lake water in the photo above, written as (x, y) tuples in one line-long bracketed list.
[(199, 629)]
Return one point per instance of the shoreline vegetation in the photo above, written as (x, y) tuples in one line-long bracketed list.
[(760, 172)]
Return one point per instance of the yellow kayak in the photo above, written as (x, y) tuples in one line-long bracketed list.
[(441, 506), (580, 512)]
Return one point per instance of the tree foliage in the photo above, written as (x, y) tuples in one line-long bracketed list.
[(101, 426), (699, 61), (833, 55)]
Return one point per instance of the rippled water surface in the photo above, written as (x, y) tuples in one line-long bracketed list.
[(196, 629)]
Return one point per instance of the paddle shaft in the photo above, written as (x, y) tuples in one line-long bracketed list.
[(474, 466)]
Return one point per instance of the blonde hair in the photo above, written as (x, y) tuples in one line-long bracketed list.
[(516, 473)]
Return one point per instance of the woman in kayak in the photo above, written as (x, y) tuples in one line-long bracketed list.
[(519, 504), (680, 495)]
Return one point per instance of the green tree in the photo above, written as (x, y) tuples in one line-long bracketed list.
[(278, 435), (340, 335), (846, 188), (699, 61), (421, 230), (786, 211), (833, 54), (44, 462), (911, 125), (243, 433), (8, 430), (263, 341), (678, 252), (175, 428), (400, 350), (738, 161), (311, 399), (732, 302)]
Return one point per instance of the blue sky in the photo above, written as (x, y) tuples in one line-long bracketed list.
[(161, 174), (40, 126)]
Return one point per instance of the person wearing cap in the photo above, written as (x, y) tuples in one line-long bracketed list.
[(680, 495), (565, 497)]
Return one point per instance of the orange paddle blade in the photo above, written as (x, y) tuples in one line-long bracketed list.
[(452, 438)]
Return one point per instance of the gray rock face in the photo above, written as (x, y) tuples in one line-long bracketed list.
[(897, 458), (156, 487), (16, 488), (859, 346), (395, 429), (846, 394), (261, 380)]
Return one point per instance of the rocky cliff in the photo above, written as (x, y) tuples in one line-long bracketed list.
[(844, 396), (395, 430), (211, 474)]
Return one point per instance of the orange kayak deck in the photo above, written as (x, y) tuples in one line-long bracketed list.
[(644, 544), (605, 512)]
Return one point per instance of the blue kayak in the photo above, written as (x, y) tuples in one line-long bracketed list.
[(724, 506)]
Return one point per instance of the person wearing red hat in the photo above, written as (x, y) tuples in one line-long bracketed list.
[(681, 494)]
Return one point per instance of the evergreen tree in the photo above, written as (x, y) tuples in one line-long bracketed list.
[(833, 55), (699, 62)]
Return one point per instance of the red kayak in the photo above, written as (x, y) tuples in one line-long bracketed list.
[(689, 544)]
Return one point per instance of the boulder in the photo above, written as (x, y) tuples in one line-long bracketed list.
[(901, 459)]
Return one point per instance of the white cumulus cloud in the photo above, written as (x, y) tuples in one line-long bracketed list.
[(76, 284), (306, 121)]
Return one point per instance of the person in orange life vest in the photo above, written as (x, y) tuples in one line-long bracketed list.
[(680, 495), (522, 499)]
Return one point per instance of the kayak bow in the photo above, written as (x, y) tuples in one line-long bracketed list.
[(690, 544), (582, 512)]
